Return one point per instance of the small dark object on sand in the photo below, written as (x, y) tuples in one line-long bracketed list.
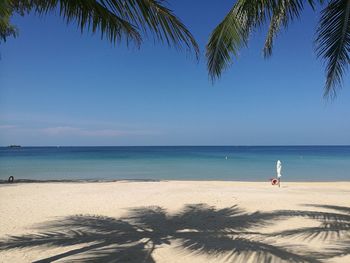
[(11, 179), (275, 181)]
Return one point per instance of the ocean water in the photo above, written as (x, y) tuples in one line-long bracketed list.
[(247, 163)]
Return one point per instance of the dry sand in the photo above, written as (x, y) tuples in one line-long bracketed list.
[(175, 221)]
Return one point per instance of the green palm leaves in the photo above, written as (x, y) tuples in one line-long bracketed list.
[(245, 16), (6, 28), (227, 39), (332, 41), (114, 19)]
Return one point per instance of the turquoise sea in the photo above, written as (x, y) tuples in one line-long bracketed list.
[(247, 163)]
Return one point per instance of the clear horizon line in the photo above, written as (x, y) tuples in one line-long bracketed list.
[(182, 145)]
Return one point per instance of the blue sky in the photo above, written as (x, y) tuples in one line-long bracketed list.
[(58, 87)]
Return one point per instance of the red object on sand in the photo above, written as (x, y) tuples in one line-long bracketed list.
[(274, 181)]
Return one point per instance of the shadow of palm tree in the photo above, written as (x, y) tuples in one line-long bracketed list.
[(196, 229), (331, 224), (334, 226)]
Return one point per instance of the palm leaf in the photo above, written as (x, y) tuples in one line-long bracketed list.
[(274, 28), (333, 42), (118, 19), (91, 15), (283, 12), (6, 28), (152, 17), (232, 33), (226, 39)]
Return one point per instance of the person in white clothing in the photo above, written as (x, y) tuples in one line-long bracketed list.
[(279, 172)]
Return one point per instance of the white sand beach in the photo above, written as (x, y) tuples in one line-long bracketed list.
[(175, 221)]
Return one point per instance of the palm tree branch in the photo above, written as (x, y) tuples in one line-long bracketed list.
[(232, 33), (6, 28), (333, 42), (283, 12), (274, 28), (153, 17), (93, 15), (116, 19), (226, 39)]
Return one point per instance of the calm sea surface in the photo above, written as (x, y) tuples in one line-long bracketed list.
[(248, 163)]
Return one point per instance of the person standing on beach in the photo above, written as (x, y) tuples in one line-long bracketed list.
[(279, 171)]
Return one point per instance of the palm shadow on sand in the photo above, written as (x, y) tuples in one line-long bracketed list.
[(196, 229)]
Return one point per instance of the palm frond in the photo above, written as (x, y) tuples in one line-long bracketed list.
[(274, 28), (283, 12), (6, 28), (118, 19), (92, 15), (226, 39), (333, 43), (232, 33), (153, 17)]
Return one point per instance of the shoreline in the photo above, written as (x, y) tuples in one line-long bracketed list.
[(30, 181)]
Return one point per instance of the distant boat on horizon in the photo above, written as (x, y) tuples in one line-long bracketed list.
[(14, 146)]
